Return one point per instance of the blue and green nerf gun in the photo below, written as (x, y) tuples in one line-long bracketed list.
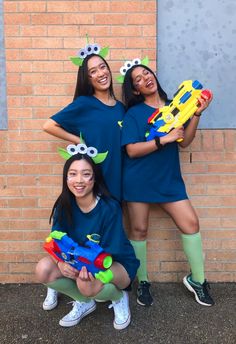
[(182, 107), (91, 255)]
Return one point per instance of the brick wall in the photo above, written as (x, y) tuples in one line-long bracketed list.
[(39, 37)]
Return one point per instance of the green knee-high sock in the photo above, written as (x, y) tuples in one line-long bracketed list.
[(192, 245), (68, 287), (140, 249), (109, 292)]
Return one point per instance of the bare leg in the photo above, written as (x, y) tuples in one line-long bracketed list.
[(183, 214), (47, 270), (186, 220), (138, 216)]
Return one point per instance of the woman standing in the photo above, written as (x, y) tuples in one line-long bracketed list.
[(94, 117), (152, 175)]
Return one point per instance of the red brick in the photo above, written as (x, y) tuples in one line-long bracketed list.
[(130, 6), (35, 30), (94, 6), (78, 19), (17, 18), (46, 19), (108, 19), (21, 268), (10, 6), (144, 19), (32, 6), (63, 6), (4, 268)]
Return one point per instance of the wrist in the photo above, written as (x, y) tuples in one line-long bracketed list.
[(198, 114)]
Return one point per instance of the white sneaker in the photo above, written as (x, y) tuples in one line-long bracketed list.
[(50, 301), (78, 312), (122, 312)]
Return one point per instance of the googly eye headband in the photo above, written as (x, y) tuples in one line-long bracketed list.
[(82, 148), (88, 50), (128, 64)]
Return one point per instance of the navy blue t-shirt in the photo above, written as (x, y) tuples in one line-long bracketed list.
[(155, 177), (100, 127), (105, 220)]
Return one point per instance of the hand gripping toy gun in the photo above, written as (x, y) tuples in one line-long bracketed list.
[(91, 255), (183, 106)]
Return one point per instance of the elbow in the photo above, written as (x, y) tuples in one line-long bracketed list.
[(48, 126), (183, 145), (131, 154), (132, 151), (45, 126), (187, 141)]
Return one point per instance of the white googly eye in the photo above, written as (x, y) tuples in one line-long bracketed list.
[(123, 70), (128, 64), (96, 48), (72, 149), (92, 152), (89, 49), (82, 53), (82, 148), (136, 61)]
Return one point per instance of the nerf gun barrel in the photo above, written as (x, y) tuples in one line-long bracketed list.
[(91, 255), (183, 106)]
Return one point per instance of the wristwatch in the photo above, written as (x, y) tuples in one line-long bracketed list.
[(158, 143)]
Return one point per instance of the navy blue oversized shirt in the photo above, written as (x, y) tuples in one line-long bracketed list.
[(100, 127), (155, 177), (105, 220)]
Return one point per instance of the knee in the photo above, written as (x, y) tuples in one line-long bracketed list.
[(44, 269), (139, 232), (84, 290), (195, 225), (192, 226)]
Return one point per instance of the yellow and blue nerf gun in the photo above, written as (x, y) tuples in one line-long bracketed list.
[(91, 255), (182, 107)]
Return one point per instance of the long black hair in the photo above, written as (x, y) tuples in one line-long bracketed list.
[(128, 89), (83, 85), (63, 204)]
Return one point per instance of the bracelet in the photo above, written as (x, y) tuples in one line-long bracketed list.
[(158, 143), (198, 115)]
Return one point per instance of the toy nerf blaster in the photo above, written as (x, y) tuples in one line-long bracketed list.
[(183, 106), (91, 255)]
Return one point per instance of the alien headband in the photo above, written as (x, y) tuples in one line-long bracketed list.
[(128, 64), (82, 149), (88, 50)]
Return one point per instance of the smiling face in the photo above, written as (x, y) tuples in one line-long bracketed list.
[(144, 81), (80, 179), (99, 74)]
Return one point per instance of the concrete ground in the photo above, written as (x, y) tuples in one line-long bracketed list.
[(174, 318)]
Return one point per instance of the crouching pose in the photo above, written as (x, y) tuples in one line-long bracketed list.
[(85, 209)]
